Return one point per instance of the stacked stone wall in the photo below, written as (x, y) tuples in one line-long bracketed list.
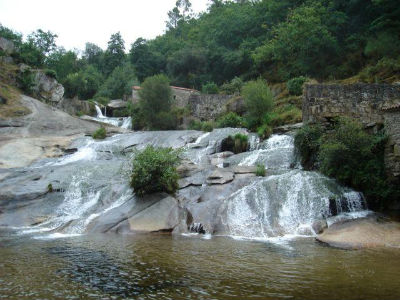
[(374, 105)]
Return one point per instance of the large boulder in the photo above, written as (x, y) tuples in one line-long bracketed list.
[(6, 45), (161, 216), (151, 213), (362, 233), (48, 88)]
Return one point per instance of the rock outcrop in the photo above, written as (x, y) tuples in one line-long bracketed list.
[(48, 88), (7, 46), (45, 132), (362, 233)]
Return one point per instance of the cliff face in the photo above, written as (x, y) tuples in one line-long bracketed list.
[(374, 105)]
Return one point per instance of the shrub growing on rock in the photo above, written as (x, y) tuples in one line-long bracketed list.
[(295, 85), (100, 134), (260, 171), (154, 170), (237, 144), (50, 73)]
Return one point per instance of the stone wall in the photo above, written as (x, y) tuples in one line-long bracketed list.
[(374, 105), (208, 107), (204, 107)]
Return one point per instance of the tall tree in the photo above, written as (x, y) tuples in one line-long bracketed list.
[(93, 54), (114, 56), (45, 41)]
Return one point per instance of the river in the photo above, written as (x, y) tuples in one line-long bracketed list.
[(191, 267)]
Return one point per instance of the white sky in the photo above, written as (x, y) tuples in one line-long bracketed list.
[(79, 21)]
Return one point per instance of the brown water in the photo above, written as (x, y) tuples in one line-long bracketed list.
[(178, 267)]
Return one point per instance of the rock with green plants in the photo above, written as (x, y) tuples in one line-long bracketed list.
[(155, 170)]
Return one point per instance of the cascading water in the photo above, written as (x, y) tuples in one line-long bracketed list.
[(125, 122), (287, 203), (94, 181)]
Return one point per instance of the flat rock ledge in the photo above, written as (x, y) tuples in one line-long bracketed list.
[(362, 233)]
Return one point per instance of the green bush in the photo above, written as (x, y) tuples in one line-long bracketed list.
[(210, 88), (237, 143), (260, 171), (207, 126), (233, 87), (165, 121), (352, 156), (50, 73), (264, 131), (307, 142), (138, 121), (155, 98), (154, 170), (230, 119), (386, 69), (26, 81), (100, 134), (295, 85), (201, 125), (258, 99)]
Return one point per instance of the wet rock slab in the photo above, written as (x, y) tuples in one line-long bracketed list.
[(362, 233)]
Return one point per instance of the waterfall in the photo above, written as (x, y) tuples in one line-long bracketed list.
[(125, 122), (287, 203), (99, 113)]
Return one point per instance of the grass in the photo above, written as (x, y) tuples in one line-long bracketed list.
[(13, 106), (260, 171), (100, 134)]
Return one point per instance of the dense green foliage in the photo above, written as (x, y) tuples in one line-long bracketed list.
[(100, 134), (352, 156), (258, 100), (156, 103), (207, 126), (210, 88), (154, 170), (295, 85), (307, 142), (230, 119), (237, 144), (278, 39), (233, 42)]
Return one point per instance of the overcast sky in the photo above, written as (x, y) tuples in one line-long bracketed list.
[(79, 21)]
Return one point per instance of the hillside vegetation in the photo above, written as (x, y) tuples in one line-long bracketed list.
[(276, 39)]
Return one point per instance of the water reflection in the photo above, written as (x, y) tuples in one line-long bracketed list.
[(177, 267)]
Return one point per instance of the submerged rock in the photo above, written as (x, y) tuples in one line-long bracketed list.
[(319, 226), (362, 233)]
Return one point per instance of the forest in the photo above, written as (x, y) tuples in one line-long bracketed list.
[(232, 41)]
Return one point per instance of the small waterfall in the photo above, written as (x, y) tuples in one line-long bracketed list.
[(275, 153), (125, 122), (99, 113)]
